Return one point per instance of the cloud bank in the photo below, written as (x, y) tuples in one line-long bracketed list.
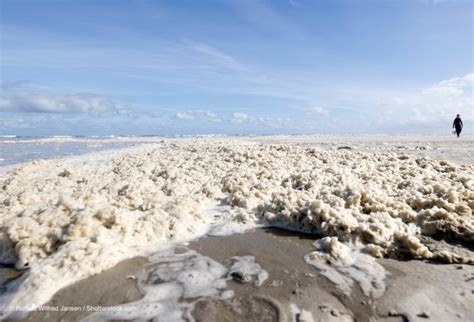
[(433, 105), (429, 109), (77, 103), (198, 114)]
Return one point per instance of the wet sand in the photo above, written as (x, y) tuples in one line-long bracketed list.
[(111, 287), (416, 290)]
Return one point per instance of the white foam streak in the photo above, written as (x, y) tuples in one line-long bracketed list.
[(171, 288), (342, 264)]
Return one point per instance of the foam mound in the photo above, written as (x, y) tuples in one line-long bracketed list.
[(69, 220)]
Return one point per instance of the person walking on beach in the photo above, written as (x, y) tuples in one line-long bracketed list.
[(457, 124)]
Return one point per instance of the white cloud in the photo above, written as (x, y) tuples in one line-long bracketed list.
[(431, 106), (218, 56), (198, 114), (184, 116), (240, 118), (316, 110), (274, 122), (457, 86), (263, 122), (210, 51), (210, 114), (77, 103)]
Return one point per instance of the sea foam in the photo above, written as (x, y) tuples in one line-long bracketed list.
[(65, 221)]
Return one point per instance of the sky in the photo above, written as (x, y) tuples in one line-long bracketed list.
[(235, 67)]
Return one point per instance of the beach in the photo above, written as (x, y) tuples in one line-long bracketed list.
[(277, 228)]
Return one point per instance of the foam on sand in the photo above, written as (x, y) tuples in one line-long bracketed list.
[(342, 265), (300, 315), (171, 288), (244, 267), (66, 220), (176, 282)]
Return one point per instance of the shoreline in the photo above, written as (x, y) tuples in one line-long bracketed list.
[(415, 288), (438, 146)]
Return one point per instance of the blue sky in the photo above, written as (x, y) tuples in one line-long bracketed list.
[(248, 67)]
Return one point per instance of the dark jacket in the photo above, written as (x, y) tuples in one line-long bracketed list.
[(457, 123)]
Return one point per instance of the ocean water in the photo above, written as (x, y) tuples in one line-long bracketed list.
[(15, 150)]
